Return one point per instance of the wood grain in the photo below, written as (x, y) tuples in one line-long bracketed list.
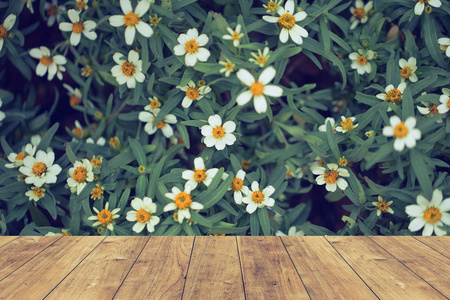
[(323, 271), (387, 277), (160, 271), (101, 273), (439, 243), (214, 270), (19, 251), (267, 270), (6, 239), (41, 274), (428, 264)]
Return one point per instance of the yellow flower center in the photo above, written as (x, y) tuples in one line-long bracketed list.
[(74, 100), (52, 10), (448, 103), (141, 169), (46, 61), (359, 13), (65, 234), (192, 93), (131, 19), (261, 60), (432, 215), (86, 71), (229, 66), (331, 176), (143, 216), (39, 192), (154, 21), (114, 143), (400, 130), (77, 27), (245, 164), (80, 4), (20, 156), (347, 124), (286, 20), (3, 32), (257, 88), (272, 6), (97, 192), (236, 184), (154, 104), (218, 132), (200, 175), (96, 162), (80, 174), (39, 168), (405, 72), (191, 46), (343, 162), (127, 69), (257, 196), (321, 163), (289, 174), (433, 109), (105, 217), (235, 36), (362, 60), (77, 132), (160, 125), (424, 1), (394, 96), (382, 206), (183, 200)]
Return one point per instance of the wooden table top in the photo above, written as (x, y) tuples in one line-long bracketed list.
[(225, 267)]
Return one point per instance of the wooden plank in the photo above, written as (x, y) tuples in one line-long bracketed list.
[(16, 253), (41, 274), (101, 273), (267, 270), (214, 270), (439, 243), (6, 239), (323, 271), (387, 277), (160, 271), (428, 264)]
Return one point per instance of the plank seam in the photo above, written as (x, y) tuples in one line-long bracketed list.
[(295, 267), (351, 267), (9, 242), (73, 269), (240, 264), (408, 267), (430, 247), (187, 271), (29, 259), (137, 257)]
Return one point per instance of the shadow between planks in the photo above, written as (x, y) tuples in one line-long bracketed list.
[(224, 267)]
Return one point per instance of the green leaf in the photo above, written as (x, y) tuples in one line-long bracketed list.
[(254, 225), (138, 152), (407, 104), (420, 170), (70, 155), (332, 141), (201, 220), (324, 34), (47, 138), (264, 221), (154, 176), (429, 34), (124, 199)]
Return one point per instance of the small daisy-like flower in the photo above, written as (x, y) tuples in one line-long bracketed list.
[(35, 194), (360, 13), (77, 27), (191, 45), (332, 178), (444, 107), (420, 5), (64, 232), (40, 170), (97, 192), (155, 20), (96, 162), (429, 214), (346, 124), (86, 71), (297, 173), (193, 93), (132, 20), (105, 217), (182, 202), (199, 175), (404, 132), (261, 57), (82, 4), (258, 199), (74, 94), (154, 104), (79, 131), (5, 27), (287, 22), (429, 109), (47, 62), (323, 127), (444, 45), (114, 143), (343, 162), (16, 159), (258, 88), (360, 61), (408, 69), (30, 6), (292, 232), (143, 214), (238, 187), (53, 12), (128, 71), (218, 135), (79, 175), (272, 6), (228, 67), (151, 128), (383, 206), (235, 35), (393, 95)]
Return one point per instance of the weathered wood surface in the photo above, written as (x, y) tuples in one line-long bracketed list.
[(327, 267)]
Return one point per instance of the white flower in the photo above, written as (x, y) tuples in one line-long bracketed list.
[(228, 67), (200, 174), (79, 175), (128, 71), (154, 104), (182, 201), (408, 69), (235, 35), (193, 93), (404, 132), (393, 95), (100, 141), (429, 109), (74, 94), (287, 22), (238, 187), (429, 214), (258, 199), (30, 6), (444, 107), (360, 61), (143, 214), (382, 206), (53, 11), (332, 178), (292, 232), (16, 159), (218, 135), (77, 27), (47, 62), (40, 170), (360, 13), (132, 20), (323, 127), (105, 217), (2, 114), (5, 27), (346, 124), (82, 4), (297, 173), (261, 57), (191, 46), (35, 194), (420, 5), (444, 42), (150, 128), (258, 88)]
